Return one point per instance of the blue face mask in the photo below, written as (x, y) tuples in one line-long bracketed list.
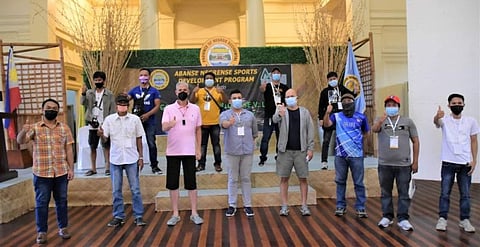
[(391, 111), (237, 103), (291, 101), (333, 83), (209, 82), (276, 77)]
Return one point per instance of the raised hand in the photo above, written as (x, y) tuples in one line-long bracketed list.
[(173, 122), (329, 109), (196, 88), (440, 113), (281, 110)]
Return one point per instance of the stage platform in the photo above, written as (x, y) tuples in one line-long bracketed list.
[(17, 196)]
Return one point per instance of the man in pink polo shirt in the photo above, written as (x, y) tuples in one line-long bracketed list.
[(183, 122)]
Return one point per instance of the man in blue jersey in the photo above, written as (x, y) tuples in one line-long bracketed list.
[(350, 127)]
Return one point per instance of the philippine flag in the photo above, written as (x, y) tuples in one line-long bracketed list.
[(12, 94)]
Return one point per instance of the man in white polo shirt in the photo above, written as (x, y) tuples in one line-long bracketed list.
[(459, 157)]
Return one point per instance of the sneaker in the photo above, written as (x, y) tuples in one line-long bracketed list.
[(230, 211), (385, 222), (284, 211), (262, 160), (361, 213), (41, 237), (405, 225), (116, 222), (63, 233), (139, 222), (305, 211), (218, 167), (340, 211), (196, 219), (441, 224), (173, 220), (90, 173), (324, 165), (156, 170), (107, 172), (200, 168), (466, 225), (249, 211)]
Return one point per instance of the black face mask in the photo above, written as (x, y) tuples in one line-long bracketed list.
[(182, 96), (99, 85), (348, 109), (51, 114), (456, 109)]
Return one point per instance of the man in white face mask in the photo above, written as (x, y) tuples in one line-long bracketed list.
[(394, 163), (329, 95), (210, 100)]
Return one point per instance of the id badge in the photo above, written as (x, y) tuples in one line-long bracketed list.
[(206, 106), (393, 142), (339, 105), (241, 131), (277, 99)]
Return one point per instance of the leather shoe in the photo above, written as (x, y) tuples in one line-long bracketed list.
[(41, 237), (63, 232), (218, 167), (200, 168)]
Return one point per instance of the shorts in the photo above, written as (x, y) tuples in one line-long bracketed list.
[(289, 159), (93, 140), (189, 172)]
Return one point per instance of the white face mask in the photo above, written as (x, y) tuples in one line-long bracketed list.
[(333, 83), (209, 82)]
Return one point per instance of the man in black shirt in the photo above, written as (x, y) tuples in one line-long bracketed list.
[(273, 94), (329, 95)]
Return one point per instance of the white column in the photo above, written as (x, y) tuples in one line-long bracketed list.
[(149, 38), (255, 23)]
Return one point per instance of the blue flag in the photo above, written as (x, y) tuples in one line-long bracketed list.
[(352, 80)]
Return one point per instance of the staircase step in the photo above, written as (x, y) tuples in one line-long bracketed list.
[(218, 198)]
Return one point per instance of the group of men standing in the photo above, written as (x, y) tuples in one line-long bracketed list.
[(188, 124)]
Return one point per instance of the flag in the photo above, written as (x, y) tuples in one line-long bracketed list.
[(352, 80), (12, 94)]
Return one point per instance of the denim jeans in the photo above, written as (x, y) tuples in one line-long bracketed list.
[(341, 171), (327, 135), (134, 182), (152, 144), (214, 132), (43, 191), (268, 128), (463, 180), (402, 176)]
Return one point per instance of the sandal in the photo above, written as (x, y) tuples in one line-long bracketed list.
[(90, 173)]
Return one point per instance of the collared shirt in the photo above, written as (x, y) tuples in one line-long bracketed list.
[(50, 149), (456, 143), (181, 139), (123, 132), (208, 108), (235, 144)]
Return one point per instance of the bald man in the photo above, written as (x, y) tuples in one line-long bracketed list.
[(295, 147)]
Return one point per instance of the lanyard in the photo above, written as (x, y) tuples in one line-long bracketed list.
[(393, 126)]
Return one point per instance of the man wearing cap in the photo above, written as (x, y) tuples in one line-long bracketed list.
[(273, 94), (350, 127), (329, 95), (395, 161), (125, 131)]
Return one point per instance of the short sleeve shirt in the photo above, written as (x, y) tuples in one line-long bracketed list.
[(209, 110), (456, 143), (404, 130), (349, 134), (149, 95)]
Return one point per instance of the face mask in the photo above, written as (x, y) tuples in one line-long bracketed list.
[(51, 114), (237, 103), (291, 101), (456, 109), (333, 83), (276, 77), (348, 109), (209, 83), (391, 111), (122, 108), (99, 85), (182, 96), (143, 79)]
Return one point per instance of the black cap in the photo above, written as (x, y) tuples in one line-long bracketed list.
[(122, 98)]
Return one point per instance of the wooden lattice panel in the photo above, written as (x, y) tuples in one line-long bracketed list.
[(365, 69), (39, 81)]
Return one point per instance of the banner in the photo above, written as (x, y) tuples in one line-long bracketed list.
[(352, 80), (246, 78), (12, 96)]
